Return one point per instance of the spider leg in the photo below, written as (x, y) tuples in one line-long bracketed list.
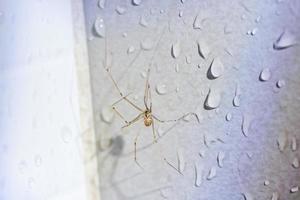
[(134, 120), (153, 132), (180, 118), (135, 144)]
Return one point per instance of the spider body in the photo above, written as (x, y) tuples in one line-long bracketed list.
[(148, 118)]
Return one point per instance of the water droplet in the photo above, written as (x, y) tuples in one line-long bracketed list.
[(31, 183), (22, 166), (280, 83), (294, 144), (66, 134), (198, 176), (285, 40), (257, 20), (143, 21), (246, 124), (130, 50), (220, 158), (236, 101), (254, 31), (228, 117), (188, 59), (136, 2), (162, 11), (180, 13), (197, 22), (38, 160), (181, 160), (212, 173), (99, 27), (203, 49), (248, 196), (176, 68), (266, 182), (295, 163), (275, 196), (161, 89), (107, 114), (202, 153), (216, 69), (182, 1), (101, 4), (175, 50), (120, 10), (177, 90), (281, 141), (213, 99), (294, 189), (124, 34), (265, 74), (147, 44)]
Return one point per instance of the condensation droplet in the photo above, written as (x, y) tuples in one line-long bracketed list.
[(285, 40), (294, 144), (124, 34), (136, 2), (99, 27), (198, 176), (197, 23), (295, 163), (66, 134), (294, 189), (265, 74), (107, 114), (281, 141), (275, 196), (38, 160), (280, 83), (143, 21), (220, 158), (101, 4), (147, 44), (248, 196), (22, 166), (175, 50), (254, 31), (161, 89), (213, 99), (212, 173), (246, 124), (181, 160), (180, 13), (203, 49), (266, 182), (188, 59), (228, 117), (182, 1), (257, 20), (120, 10), (130, 50), (216, 69), (202, 153), (177, 68), (236, 101)]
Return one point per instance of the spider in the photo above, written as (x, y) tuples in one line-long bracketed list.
[(145, 113)]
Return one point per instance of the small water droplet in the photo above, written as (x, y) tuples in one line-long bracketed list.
[(188, 59), (285, 40), (281, 141), (143, 21), (248, 196), (295, 162), (124, 34), (275, 196), (176, 68), (31, 183), (216, 69), (22, 166), (294, 144), (175, 50), (228, 117), (280, 83), (220, 158), (203, 49), (147, 44), (180, 13), (181, 160), (213, 99), (243, 17), (130, 50), (246, 124), (257, 20), (197, 22), (266, 182), (38, 160), (101, 4), (161, 89), (162, 11), (265, 74), (120, 10), (254, 31), (177, 90), (99, 27), (202, 153), (136, 2), (198, 176), (236, 101), (294, 189), (107, 114), (212, 173), (66, 134)]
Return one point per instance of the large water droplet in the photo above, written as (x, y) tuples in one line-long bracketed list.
[(294, 189), (175, 50), (136, 2), (147, 44), (294, 144), (280, 83), (101, 4), (181, 160), (213, 99), (295, 162), (236, 101), (246, 124), (212, 173), (38, 160), (266, 182), (99, 27), (275, 196), (203, 49), (285, 40), (216, 69), (66, 134), (220, 158), (228, 117), (198, 176), (161, 89), (265, 74), (120, 10), (107, 114)]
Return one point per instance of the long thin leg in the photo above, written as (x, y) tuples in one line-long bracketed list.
[(147, 87), (153, 132), (135, 144), (176, 120), (120, 115), (134, 120)]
